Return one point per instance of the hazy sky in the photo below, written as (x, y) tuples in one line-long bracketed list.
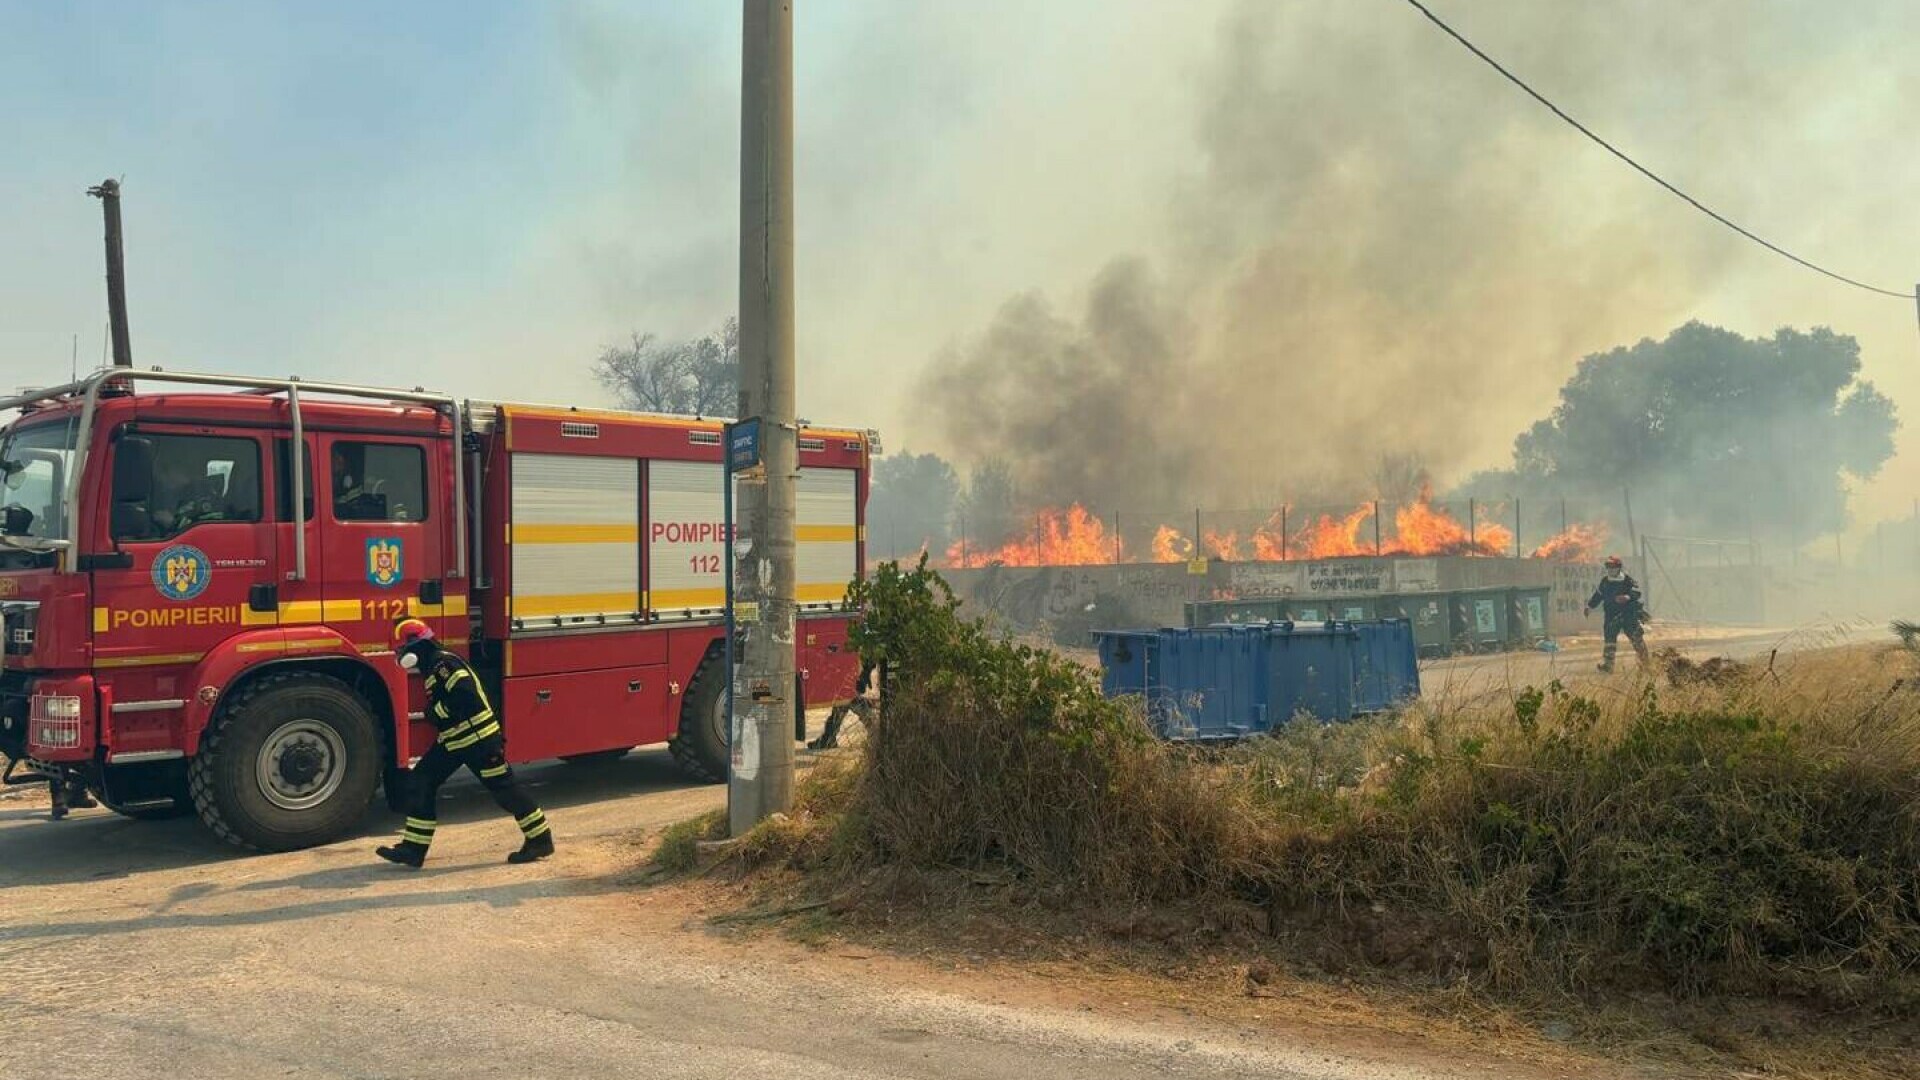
[(479, 195)]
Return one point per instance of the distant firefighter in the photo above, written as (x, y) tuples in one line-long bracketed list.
[(1619, 601)]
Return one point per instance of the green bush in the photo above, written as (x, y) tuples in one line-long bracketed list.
[(1757, 836)]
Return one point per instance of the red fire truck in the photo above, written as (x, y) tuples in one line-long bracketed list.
[(199, 579)]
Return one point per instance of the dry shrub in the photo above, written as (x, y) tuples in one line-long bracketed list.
[(1745, 835)]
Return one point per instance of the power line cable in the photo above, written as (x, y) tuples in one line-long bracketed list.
[(1649, 173)]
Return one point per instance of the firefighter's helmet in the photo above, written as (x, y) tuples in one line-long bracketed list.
[(413, 643), (1614, 563)]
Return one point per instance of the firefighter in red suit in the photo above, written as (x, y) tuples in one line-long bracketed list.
[(469, 735)]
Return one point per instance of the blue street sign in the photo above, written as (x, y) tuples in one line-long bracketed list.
[(743, 445)]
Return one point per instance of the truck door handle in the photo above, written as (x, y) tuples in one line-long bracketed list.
[(263, 596), (633, 686), (431, 592), (543, 696)]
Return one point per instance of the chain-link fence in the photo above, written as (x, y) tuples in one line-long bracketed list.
[(1090, 535)]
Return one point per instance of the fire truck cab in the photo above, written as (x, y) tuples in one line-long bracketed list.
[(199, 581)]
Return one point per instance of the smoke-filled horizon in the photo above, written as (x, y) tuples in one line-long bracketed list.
[(1383, 250), (1268, 241)]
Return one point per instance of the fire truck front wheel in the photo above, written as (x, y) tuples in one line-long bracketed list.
[(288, 762)]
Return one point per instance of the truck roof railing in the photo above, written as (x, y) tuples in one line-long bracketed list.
[(88, 391)]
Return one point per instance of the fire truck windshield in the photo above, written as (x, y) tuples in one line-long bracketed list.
[(34, 457)]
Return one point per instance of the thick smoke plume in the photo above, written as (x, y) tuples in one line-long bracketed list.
[(1383, 250)]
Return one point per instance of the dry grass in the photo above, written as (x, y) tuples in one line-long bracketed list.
[(1753, 835)]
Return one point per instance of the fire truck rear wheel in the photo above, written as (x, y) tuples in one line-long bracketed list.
[(288, 762), (700, 746)]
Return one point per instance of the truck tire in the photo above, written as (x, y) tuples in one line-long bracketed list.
[(699, 747), (289, 762)]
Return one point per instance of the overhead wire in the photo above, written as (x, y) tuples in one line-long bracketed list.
[(1913, 295)]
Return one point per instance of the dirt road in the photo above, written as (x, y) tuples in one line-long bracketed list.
[(148, 949)]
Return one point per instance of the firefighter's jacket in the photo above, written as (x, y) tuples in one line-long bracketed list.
[(1608, 599), (457, 704)]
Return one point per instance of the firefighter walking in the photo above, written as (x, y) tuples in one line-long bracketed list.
[(469, 735), (1619, 600)]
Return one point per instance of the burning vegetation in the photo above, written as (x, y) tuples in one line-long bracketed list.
[(1075, 536)]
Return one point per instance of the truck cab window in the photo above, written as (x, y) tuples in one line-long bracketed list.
[(378, 482), (194, 480)]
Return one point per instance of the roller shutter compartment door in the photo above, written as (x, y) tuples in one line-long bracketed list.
[(575, 541)]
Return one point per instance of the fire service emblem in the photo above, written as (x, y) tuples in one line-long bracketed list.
[(181, 572), (384, 566)]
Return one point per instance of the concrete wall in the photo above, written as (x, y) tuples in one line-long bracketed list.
[(1156, 594)]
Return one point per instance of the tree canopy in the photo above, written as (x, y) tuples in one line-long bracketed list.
[(698, 377), (911, 503), (1715, 434)]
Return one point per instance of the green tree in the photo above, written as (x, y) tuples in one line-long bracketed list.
[(910, 504), (989, 509), (1715, 434)]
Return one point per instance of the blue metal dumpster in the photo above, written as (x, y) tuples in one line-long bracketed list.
[(1227, 682), (1386, 666)]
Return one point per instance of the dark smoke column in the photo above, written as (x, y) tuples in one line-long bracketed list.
[(760, 781)]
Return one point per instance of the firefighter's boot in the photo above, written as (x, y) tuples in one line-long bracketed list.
[(535, 849), (77, 797), (415, 838), (1606, 656), (539, 836), (1640, 650)]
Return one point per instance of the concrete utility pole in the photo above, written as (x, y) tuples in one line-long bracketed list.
[(761, 780), (108, 192)]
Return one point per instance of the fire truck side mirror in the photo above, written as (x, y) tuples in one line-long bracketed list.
[(133, 469)]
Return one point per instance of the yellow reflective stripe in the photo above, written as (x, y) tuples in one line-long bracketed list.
[(451, 606), (453, 680), (497, 770), (465, 741), (429, 824), (539, 830), (423, 839), (528, 821), (576, 534), (440, 711)]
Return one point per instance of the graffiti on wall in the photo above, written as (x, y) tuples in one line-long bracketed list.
[(1027, 598), (1349, 577)]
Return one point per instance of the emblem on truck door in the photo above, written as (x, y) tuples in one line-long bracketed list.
[(181, 572), (384, 565)]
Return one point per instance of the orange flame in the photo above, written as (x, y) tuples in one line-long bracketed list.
[(1170, 545), (1070, 537), (1222, 545), (1575, 544), (1075, 537), (1420, 528)]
